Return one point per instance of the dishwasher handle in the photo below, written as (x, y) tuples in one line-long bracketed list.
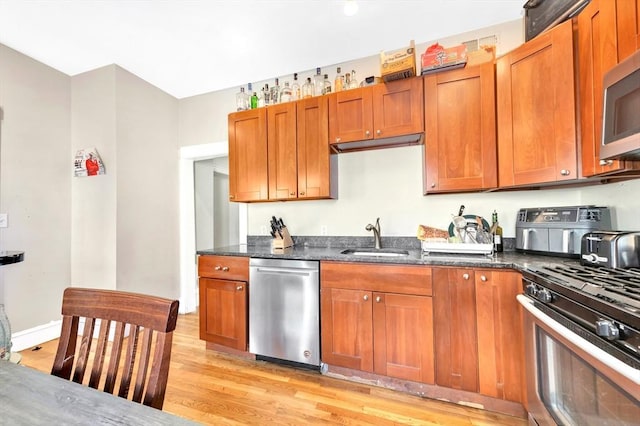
[(288, 271)]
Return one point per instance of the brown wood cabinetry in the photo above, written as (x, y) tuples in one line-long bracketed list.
[(537, 111), (223, 286), (378, 318), (248, 174), (606, 35), (460, 127), (281, 154), (478, 348), (375, 112)]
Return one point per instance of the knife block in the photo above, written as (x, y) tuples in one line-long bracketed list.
[(282, 242)]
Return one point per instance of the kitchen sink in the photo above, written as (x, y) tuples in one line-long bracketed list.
[(375, 252)]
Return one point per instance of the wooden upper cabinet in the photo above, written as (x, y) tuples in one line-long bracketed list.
[(350, 115), (379, 111), (537, 111), (398, 108), (317, 168), (606, 35), (248, 175), (282, 151), (460, 127)]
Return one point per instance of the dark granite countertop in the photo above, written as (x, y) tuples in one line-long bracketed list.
[(332, 251)]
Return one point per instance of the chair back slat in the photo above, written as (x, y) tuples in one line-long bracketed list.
[(139, 325), (143, 365)]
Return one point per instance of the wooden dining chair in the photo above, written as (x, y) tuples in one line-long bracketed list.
[(136, 327)]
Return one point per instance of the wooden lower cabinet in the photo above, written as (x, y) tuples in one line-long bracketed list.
[(223, 292), (223, 312), (479, 347), (384, 332)]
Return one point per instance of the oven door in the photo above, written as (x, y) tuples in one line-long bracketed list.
[(572, 382)]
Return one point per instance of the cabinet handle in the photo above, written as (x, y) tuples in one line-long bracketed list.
[(367, 133), (378, 132), (483, 278), (606, 162), (365, 297), (378, 299), (225, 268), (337, 139), (239, 288), (218, 268), (465, 276), (565, 172)]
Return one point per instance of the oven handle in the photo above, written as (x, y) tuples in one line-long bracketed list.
[(610, 361)]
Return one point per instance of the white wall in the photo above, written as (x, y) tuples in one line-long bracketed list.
[(35, 182)]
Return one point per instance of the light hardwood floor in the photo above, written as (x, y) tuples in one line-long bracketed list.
[(219, 389)]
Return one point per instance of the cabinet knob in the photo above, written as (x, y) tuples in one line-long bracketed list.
[(465, 276), (565, 172), (367, 133), (292, 193), (483, 278), (231, 197), (378, 299), (433, 185), (218, 268), (302, 193), (337, 139), (378, 132), (239, 288), (225, 268), (365, 297), (606, 162)]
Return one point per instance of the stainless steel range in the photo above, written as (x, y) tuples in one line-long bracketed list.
[(582, 343)]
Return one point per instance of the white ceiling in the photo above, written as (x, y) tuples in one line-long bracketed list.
[(191, 47)]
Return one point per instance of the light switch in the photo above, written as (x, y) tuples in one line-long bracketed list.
[(3, 220)]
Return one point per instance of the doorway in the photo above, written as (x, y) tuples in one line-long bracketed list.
[(188, 258)]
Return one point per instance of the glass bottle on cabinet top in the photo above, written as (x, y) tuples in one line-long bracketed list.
[(338, 84), (347, 81), (354, 82), (327, 85), (242, 100), (318, 83), (307, 89), (286, 93), (295, 89), (275, 93), (266, 95)]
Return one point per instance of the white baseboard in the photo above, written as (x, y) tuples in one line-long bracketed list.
[(35, 336)]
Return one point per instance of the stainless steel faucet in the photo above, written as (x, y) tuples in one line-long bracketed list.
[(376, 232)]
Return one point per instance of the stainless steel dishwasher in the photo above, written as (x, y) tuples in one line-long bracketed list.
[(284, 310)]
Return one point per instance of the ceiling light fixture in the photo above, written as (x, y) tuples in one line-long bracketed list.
[(350, 7)]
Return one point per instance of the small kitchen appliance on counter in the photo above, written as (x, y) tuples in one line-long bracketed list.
[(613, 249), (558, 231)]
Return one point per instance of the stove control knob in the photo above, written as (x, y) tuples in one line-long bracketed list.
[(607, 329), (531, 290), (544, 295)]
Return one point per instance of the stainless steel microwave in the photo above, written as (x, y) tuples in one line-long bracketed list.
[(621, 113)]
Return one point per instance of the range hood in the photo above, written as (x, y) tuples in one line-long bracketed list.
[(369, 144)]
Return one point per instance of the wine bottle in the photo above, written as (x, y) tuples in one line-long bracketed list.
[(497, 233)]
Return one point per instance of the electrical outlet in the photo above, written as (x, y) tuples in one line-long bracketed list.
[(323, 230), (3, 220), (263, 230)]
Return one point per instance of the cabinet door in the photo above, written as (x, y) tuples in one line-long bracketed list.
[(248, 155), (403, 336), (598, 52), (455, 335), (625, 24), (350, 115), (460, 117), (282, 155), (500, 341), (536, 110), (347, 330), (398, 108), (223, 312), (315, 168)]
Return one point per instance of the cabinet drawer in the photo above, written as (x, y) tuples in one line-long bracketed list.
[(404, 279), (224, 267)]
